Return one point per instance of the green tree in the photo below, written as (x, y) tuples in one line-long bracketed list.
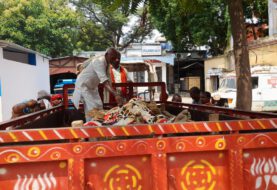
[(110, 22), (178, 26), (256, 9), (47, 26), (189, 24), (91, 36)]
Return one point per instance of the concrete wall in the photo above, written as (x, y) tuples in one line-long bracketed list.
[(21, 81), (263, 55)]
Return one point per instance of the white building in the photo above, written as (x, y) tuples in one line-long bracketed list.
[(272, 17), (23, 72)]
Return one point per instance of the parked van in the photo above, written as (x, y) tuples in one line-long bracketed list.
[(264, 88)]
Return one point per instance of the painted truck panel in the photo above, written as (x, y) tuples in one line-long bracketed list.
[(238, 153)]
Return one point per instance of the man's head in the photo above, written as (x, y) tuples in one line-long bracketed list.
[(113, 57), (56, 99), (195, 93), (176, 98), (42, 94), (205, 97)]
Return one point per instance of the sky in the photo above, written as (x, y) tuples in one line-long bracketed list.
[(133, 20)]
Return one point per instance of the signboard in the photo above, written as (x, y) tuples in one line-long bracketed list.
[(149, 50), (272, 82), (133, 53)]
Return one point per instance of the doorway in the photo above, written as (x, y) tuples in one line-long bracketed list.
[(215, 83)]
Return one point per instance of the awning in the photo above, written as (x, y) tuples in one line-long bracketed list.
[(216, 71)]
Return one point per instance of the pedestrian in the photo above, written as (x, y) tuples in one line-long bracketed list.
[(44, 99), (86, 86), (56, 99), (195, 95), (176, 98), (205, 98), (118, 74)]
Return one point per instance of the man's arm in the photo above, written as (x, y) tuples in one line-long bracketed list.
[(23, 108), (101, 71), (117, 96), (17, 110)]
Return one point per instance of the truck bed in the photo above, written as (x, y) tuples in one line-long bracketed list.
[(236, 151)]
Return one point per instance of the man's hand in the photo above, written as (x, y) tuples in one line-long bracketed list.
[(118, 100), (117, 96)]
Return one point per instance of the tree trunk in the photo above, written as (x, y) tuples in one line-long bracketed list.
[(243, 73)]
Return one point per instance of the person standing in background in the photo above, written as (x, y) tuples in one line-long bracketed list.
[(176, 98), (205, 98), (44, 99), (195, 95), (118, 74)]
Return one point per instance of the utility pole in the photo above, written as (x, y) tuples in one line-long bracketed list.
[(272, 17)]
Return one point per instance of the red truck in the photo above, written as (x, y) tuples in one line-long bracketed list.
[(237, 151)]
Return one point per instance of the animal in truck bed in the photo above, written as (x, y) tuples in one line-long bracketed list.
[(220, 149)]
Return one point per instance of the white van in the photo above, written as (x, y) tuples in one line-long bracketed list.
[(264, 85)]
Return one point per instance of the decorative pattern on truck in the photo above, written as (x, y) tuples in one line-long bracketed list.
[(119, 173), (128, 173), (265, 171), (138, 130), (199, 170), (261, 168), (198, 175), (158, 163), (41, 181), (42, 176)]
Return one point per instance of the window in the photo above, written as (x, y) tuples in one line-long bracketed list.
[(139, 76), (228, 83), (19, 56), (255, 82), (215, 83)]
